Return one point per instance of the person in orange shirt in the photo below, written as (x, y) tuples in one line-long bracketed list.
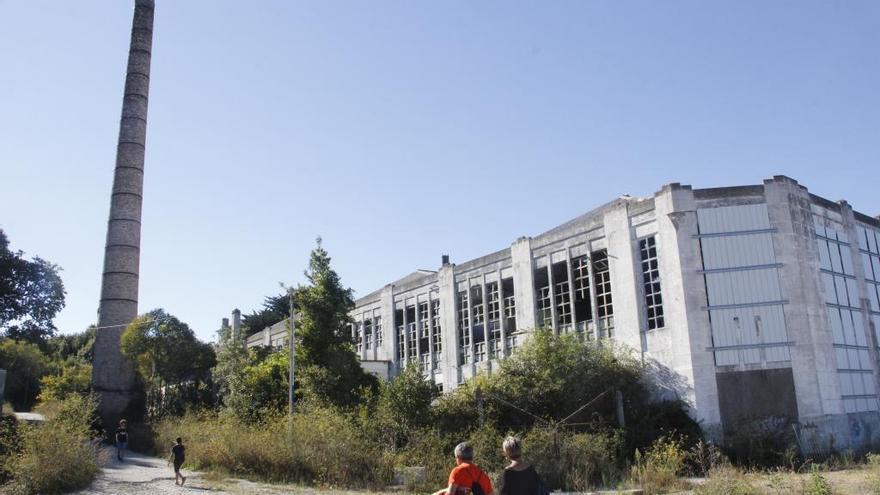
[(466, 478)]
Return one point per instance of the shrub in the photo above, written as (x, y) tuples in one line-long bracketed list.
[(575, 461), (657, 469), (57, 456), (10, 443), (817, 484), (874, 473)]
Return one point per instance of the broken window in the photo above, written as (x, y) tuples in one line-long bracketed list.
[(424, 330), (542, 298), (358, 336), (602, 282), (377, 329), (478, 323), (401, 335), (581, 281), (412, 338), (368, 334), (464, 336), (561, 295), (493, 323), (438, 334), (651, 282), (509, 304)]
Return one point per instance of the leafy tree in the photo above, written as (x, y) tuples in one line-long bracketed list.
[(74, 378), (275, 309), (228, 374), (173, 364), (326, 361), (24, 365), (31, 294), (405, 404), (264, 387), (76, 346)]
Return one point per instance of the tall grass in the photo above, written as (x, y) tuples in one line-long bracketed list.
[(57, 456), (318, 446)]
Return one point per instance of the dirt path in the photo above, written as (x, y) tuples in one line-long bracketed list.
[(140, 474)]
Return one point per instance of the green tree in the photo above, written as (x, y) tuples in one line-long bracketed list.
[(327, 366), (75, 346), (24, 365), (31, 294), (74, 378), (228, 374), (405, 405), (172, 363), (275, 309)]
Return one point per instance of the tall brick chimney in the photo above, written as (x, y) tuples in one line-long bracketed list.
[(113, 375)]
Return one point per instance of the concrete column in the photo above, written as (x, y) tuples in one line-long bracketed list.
[(470, 329), (554, 323), (387, 350), (503, 320), (570, 268), (806, 318), (624, 291), (431, 356), (684, 344), (449, 361), (523, 283), (594, 306), (113, 375), (405, 336)]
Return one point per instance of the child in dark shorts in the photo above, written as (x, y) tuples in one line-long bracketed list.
[(178, 455)]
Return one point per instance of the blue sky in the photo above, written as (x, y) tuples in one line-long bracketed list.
[(399, 131)]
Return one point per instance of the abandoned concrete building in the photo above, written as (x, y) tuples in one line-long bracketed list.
[(750, 301)]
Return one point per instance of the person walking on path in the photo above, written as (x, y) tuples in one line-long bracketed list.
[(121, 439), (178, 455), (519, 478), (466, 478)]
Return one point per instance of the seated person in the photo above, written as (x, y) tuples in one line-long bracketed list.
[(466, 478)]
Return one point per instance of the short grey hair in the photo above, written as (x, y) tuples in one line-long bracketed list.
[(464, 451), (512, 447)]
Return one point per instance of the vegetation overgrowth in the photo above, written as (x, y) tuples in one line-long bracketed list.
[(56, 457), (566, 398)]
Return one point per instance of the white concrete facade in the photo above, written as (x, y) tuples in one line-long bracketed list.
[(729, 296)]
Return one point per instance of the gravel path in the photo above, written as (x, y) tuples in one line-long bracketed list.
[(143, 475), (140, 474)]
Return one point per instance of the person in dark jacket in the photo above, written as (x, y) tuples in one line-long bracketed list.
[(121, 439), (178, 455), (520, 477)]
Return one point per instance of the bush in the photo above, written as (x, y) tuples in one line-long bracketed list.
[(57, 456), (10, 443), (657, 469), (817, 484), (575, 461)]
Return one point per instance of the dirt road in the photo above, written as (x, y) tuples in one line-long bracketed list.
[(142, 475)]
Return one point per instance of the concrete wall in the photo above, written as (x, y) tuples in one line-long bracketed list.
[(762, 272)]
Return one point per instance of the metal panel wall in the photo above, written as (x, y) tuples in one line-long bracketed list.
[(845, 318), (745, 299)]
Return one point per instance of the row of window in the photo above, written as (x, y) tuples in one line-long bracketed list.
[(481, 317), (480, 320)]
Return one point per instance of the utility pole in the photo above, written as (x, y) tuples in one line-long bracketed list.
[(292, 363)]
